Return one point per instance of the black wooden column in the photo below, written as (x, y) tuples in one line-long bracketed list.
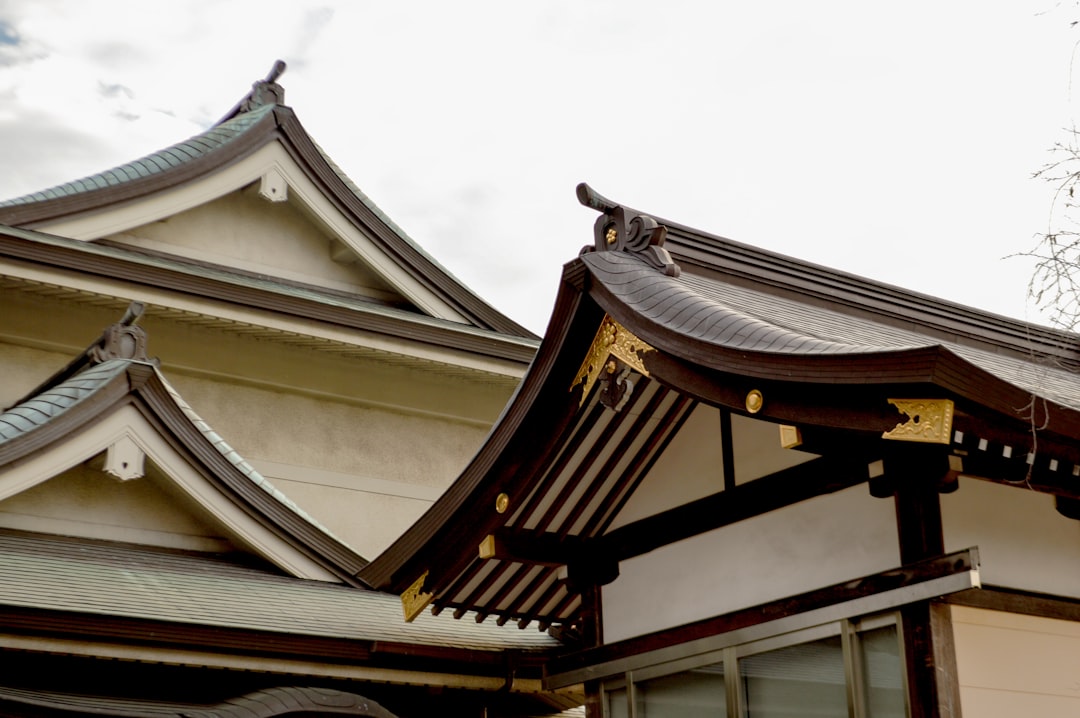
[(916, 475)]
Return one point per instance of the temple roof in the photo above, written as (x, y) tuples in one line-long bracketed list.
[(260, 119), (190, 591), (657, 323), (115, 373)]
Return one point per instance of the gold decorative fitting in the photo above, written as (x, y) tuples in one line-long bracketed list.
[(929, 421), (502, 503), (612, 235), (790, 436), (486, 549), (612, 340), (754, 401), (413, 600)]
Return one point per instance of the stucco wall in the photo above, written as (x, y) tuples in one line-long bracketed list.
[(365, 470), (1011, 665), (813, 544), (1023, 541)]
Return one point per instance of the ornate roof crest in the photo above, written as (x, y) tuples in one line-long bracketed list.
[(266, 91), (625, 230)]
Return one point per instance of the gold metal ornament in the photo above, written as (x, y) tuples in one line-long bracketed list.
[(790, 436), (754, 401), (612, 235), (612, 340), (929, 421), (502, 503), (414, 600)]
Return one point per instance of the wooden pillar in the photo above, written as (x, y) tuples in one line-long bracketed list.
[(916, 478)]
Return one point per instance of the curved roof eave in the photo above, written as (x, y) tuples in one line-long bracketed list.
[(664, 312), (63, 409), (531, 424), (233, 139)]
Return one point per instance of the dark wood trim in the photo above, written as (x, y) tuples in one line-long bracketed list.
[(930, 661), (816, 477), (541, 415), (942, 566), (646, 457), (111, 263), (727, 450), (994, 598), (916, 477), (146, 633)]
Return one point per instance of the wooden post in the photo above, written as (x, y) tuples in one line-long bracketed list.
[(929, 655)]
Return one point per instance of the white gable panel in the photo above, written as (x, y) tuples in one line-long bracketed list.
[(272, 160), (199, 516)]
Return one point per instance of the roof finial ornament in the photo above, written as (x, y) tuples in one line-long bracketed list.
[(622, 229), (122, 340), (266, 91)]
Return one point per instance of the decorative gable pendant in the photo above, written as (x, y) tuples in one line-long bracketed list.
[(124, 459), (273, 187)]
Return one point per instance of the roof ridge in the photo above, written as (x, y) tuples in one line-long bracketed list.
[(194, 147)]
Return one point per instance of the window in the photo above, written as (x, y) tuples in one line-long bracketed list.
[(839, 670)]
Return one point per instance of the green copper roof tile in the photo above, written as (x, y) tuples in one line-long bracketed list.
[(158, 162), (53, 402)]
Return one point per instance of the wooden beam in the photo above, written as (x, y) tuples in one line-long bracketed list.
[(669, 639), (522, 546), (816, 477)]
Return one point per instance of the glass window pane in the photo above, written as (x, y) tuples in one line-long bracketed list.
[(616, 703), (802, 680), (884, 672), (693, 694)]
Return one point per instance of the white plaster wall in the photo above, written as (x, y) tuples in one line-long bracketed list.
[(810, 545), (1023, 541), (245, 231), (364, 471), (85, 501), (1011, 665), (692, 465)]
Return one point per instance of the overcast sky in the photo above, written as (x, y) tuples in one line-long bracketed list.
[(895, 141)]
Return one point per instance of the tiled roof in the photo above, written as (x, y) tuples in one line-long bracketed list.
[(290, 700), (726, 314), (51, 403), (156, 163), (118, 580), (54, 401)]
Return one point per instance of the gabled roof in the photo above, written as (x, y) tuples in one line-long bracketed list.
[(114, 390), (259, 120), (657, 320), (475, 345)]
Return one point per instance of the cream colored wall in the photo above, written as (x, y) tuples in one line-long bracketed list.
[(366, 473), (1011, 665), (810, 545), (84, 501), (245, 231), (692, 465), (1010, 525), (362, 444)]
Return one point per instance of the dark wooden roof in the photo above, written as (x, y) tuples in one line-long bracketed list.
[(825, 349), (260, 119)]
